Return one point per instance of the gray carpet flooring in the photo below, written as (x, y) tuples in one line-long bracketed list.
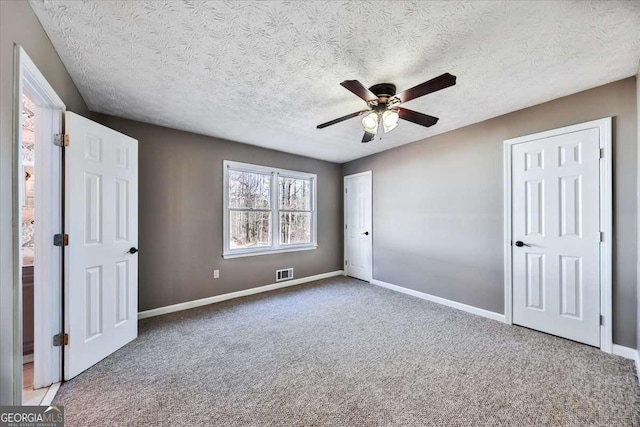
[(340, 352)]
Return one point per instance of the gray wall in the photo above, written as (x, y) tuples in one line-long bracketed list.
[(433, 244), (19, 25), (438, 220), (180, 201)]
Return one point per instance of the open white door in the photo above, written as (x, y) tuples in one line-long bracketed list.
[(101, 265), (358, 226)]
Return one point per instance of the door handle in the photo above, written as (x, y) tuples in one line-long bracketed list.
[(132, 251), (521, 244), (366, 233)]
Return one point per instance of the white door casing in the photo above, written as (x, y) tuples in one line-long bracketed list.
[(560, 277), (47, 281), (101, 219), (358, 226), (47, 295)]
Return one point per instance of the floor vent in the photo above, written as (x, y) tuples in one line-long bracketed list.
[(284, 274)]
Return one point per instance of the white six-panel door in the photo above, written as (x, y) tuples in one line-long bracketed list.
[(358, 226), (101, 217), (556, 235)]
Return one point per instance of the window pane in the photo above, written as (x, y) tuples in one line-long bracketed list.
[(294, 194), (249, 229), (295, 228), (249, 190)]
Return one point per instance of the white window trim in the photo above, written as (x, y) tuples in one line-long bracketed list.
[(275, 248)]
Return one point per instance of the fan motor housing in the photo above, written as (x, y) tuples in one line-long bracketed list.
[(386, 90)]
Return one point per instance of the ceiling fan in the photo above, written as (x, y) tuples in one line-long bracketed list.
[(383, 104)]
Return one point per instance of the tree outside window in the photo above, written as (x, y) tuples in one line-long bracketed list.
[(268, 210)]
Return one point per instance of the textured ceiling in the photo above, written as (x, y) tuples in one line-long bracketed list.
[(266, 73)]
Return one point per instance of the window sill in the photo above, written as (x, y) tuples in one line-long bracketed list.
[(269, 252)]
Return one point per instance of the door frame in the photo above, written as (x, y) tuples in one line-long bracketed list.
[(344, 222), (606, 222), (47, 300)]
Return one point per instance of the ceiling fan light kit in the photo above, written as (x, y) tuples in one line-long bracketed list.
[(390, 119), (370, 122), (383, 104)]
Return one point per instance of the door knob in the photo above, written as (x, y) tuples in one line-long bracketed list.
[(521, 244), (132, 251), (366, 233)]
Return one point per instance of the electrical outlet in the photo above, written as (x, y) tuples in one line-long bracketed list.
[(216, 274)]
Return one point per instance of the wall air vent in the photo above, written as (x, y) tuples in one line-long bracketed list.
[(284, 274)]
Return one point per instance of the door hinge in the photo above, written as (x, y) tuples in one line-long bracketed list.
[(602, 153), (345, 191), (601, 320), (602, 236), (345, 262), (60, 240), (60, 340), (345, 226), (61, 140)]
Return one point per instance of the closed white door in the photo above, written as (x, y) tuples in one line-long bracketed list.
[(556, 235), (358, 230), (101, 219)]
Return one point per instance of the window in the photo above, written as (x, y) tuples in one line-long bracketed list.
[(267, 210)]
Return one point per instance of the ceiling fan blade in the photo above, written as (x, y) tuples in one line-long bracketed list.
[(430, 86), (368, 137), (359, 89), (417, 118), (341, 119)]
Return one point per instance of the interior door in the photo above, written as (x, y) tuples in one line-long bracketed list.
[(556, 235), (358, 230), (101, 219)]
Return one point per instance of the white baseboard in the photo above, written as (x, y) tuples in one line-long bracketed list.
[(453, 304), (626, 352), (50, 394), (218, 298)]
